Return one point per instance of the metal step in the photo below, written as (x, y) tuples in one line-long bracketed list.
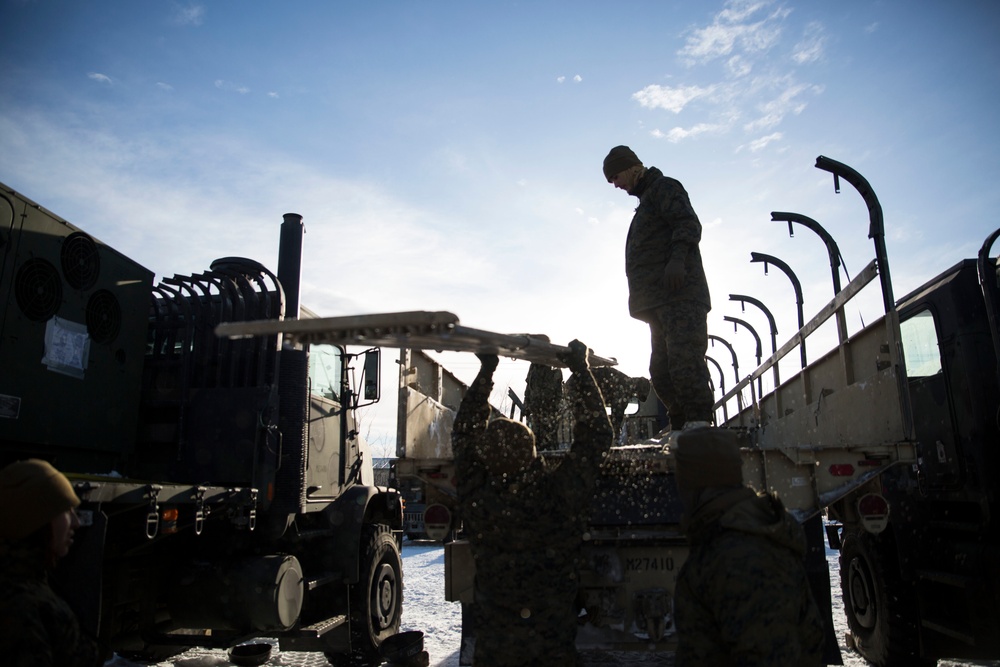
[(317, 630), (949, 631), (947, 578)]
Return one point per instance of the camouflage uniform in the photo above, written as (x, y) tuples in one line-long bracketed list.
[(618, 389), (37, 628), (742, 595), (542, 404), (666, 227), (526, 530)]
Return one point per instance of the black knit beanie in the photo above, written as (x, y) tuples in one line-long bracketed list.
[(618, 160)]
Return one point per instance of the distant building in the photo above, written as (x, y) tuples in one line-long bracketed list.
[(381, 468)]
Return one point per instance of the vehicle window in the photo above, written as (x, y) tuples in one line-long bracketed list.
[(324, 371), (920, 345)]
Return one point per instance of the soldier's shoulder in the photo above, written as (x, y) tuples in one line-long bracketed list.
[(667, 183)]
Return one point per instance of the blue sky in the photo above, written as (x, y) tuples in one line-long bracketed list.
[(447, 155)]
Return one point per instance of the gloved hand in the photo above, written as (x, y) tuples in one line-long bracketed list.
[(489, 361), (576, 357), (673, 275)]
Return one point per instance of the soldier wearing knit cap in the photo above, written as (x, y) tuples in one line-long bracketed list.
[(525, 516), (667, 286), (32, 493), (37, 524), (743, 596)]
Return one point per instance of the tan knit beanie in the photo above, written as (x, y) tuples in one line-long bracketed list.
[(32, 493), (708, 457), (618, 160)]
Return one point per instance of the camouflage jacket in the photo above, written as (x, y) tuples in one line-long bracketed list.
[(664, 226), (37, 628), (526, 529), (743, 597), (543, 388)]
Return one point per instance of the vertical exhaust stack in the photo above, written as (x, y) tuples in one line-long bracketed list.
[(293, 385), (290, 262)]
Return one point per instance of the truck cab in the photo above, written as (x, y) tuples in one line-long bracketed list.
[(226, 491)]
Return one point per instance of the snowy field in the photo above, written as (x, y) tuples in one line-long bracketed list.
[(425, 609)]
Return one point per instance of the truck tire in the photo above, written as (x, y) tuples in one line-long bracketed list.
[(376, 600), (878, 604)]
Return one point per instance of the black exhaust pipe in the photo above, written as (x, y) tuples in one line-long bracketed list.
[(290, 262)]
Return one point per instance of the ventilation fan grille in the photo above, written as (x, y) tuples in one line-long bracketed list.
[(38, 289), (80, 262), (104, 316)]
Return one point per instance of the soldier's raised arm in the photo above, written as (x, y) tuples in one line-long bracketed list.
[(592, 434), (474, 412)]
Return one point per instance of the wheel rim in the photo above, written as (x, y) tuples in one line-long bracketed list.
[(862, 594), (384, 596)]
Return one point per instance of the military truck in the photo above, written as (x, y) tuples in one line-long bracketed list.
[(424, 468), (919, 543), (894, 433), (226, 492)]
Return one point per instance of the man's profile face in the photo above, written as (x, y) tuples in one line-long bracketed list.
[(619, 180), (627, 178)]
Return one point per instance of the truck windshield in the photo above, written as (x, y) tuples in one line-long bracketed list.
[(324, 371), (920, 345)]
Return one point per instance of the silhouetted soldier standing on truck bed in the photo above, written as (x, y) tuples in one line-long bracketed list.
[(667, 286), (525, 517)]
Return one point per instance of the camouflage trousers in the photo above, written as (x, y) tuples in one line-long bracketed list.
[(677, 367), (543, 404)]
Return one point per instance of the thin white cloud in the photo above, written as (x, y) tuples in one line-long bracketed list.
[(871, 27), (732, 31), (679, 133), (231, 87), (736, 40), (164, 86), (760, 144), (188, 15), (738, 10), (671, 99), (560, 79), (810, 48), (577, 78), (98, 77), (273, 95), (775, 110), (738, 67)]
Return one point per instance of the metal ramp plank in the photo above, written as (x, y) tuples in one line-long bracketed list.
[(418, 330)]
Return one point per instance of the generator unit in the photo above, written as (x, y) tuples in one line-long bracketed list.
[(74, 317)]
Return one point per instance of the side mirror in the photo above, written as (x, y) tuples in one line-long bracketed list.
[(372, 375)]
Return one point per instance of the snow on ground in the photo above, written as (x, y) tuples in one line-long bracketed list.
[(424, 606), (425, 609)]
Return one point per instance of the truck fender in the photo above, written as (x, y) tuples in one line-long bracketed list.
[(357, 507)]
